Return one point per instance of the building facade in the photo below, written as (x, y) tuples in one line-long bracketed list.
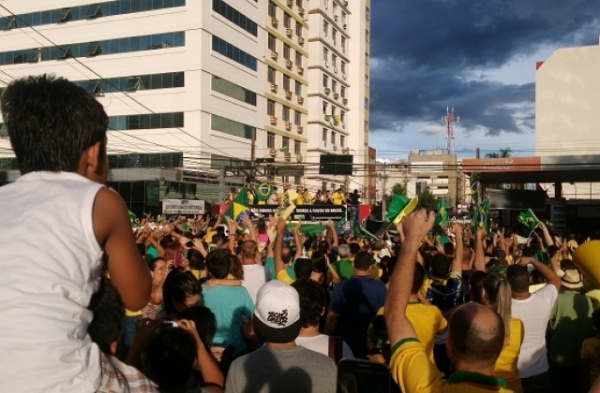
[(567, 95)]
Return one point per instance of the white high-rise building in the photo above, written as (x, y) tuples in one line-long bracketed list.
[(338, 90), (181, 80)]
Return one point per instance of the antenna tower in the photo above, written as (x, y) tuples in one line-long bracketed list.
[(449, 120)]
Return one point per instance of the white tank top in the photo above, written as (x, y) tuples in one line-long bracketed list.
[(50, 265)]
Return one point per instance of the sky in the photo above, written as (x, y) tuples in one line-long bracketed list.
[(478, 57)]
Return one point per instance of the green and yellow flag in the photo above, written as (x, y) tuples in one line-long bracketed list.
[(441, 217), (481, 217), (528, 219), (239, 205)]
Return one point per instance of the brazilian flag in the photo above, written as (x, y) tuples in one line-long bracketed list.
[(441, 217)]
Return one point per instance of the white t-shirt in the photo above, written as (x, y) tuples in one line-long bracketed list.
[(255, 276), (320, 344), (534, 312), (50, 266)]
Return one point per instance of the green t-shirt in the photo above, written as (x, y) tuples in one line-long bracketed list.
[(344, 268), (151, 253)]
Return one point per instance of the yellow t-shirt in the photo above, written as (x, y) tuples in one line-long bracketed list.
[(414, 372), (209, 235), (299, 200), (506, 365), (590, 349), (307, 199), (337, 198), (427, 321)]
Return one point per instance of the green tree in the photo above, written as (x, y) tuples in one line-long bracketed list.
[(427, 200), (397, 189), (502, 153)]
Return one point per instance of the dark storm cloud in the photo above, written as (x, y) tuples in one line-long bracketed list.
[(426, 52)]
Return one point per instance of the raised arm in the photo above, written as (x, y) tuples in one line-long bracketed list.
[(211, 374), (334, 236), (298, 241), (112, 228), (415, 226), (248, 225), (544, 270), (456, 230), (547, 238), (479, 262), (279, 265)]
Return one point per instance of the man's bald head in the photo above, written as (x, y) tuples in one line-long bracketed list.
[(476, 335)]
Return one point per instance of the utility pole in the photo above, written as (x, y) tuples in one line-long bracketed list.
[(384, 193)]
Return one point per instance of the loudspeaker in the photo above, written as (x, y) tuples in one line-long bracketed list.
[(336, 164)]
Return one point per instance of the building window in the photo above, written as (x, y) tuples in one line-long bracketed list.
[(297, 148), (231, 127), (366, 103), (367, 80), (297, 118), (272, 42), (326, 4), (234, 53), (342, 141), (298, 89), (343, 117), (286, 51), (287, 23), (325, 28), (299, 3), (234, 16), (285, 113), (298, 59), (325, 80), (270, 140), (366, 126), (332, 138), (324, 133), (285, 142), (98, 48), (84, 12), (232, 90), (132, 83), (326, 56), (272, 10), (334, 35), (343, 67), (343, 44), (367, 35), (333, 85), (343, 91), (344, 18), (146, 121), (272, 75), (270, 107), (298, 29), (367, 13), (335, 8), (286, 83), (325, 105)]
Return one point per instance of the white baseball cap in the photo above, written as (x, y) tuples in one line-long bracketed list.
[(277, 314)]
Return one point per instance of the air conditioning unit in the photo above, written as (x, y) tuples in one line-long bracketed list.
[(288, 63), (273, 153), (334, 147), (344, 76), (336, 95), (300, 100), (344, 126), (301, 70), (288, 95), (345, 101), (327, 90), (335, 69), (326, 64), (273, 120), (288, 125), (288, 156), (290, 3), (335, 18), (289, 32), (301, 11), (274, 22), (301, 40), (346, 3), (300, 129), (274, 55), (299, 159), (345, 26), (273, 87)]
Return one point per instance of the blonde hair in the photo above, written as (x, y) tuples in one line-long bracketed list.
[(498, 297)]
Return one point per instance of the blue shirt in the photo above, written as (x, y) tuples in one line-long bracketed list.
[(444, 294), (230, 306)]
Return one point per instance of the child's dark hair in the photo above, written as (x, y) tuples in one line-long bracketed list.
[(218, 263), (170, 357), (312, 301), (109, 316), (178, 285), (51, 122)]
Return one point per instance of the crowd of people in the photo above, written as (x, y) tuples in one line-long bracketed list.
[(303, 196), (186, 304)]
